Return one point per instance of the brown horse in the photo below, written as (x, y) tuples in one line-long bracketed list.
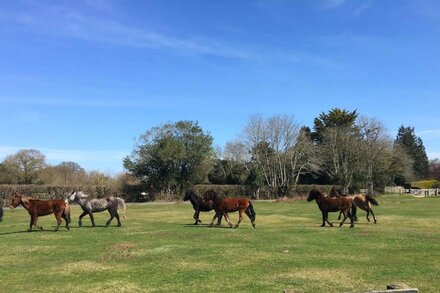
[(223, 206), (327, 204), (37, 207), (361, 201)]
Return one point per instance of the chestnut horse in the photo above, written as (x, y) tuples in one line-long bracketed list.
[(327, 204), (39, 207), (223, 206), (361, 201), (199, 204)]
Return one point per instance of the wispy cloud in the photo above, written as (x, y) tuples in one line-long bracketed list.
[(68, 23), (126, 103), (429, 133)]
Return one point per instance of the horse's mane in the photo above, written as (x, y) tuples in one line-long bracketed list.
[(82, 194), (212, 193)]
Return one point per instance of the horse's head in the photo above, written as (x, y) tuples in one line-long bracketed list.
[(15, 200), (76, 195), (314, 194), (188, 195)]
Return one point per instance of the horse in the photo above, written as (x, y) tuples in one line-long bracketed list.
[(199, 204), (39, 207), (222, 206), (361, 201), (327, 204), (90, 206)]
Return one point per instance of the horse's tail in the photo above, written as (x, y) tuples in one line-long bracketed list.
[(251, 211), (354, 211), (121, 203), (66, 213), (371, 199)]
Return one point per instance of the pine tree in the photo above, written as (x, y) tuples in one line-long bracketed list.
[(413, 145)]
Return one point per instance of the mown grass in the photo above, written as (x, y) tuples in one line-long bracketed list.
[(158, 249)]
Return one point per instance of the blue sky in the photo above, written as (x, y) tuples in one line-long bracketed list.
[(81, 80)]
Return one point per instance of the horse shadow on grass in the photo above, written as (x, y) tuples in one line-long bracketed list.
[(204, 226), (33, 231)]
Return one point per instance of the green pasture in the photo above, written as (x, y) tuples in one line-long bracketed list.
[(159, 250)]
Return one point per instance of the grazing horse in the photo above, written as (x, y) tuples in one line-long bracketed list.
[(90, 206), (199, 204), (361, 201), (39, 207), (327, 204), (222, 206)]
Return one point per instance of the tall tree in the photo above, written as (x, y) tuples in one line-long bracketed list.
[(413, 145), (172, 156), (338, 139), (26, 165), (335, 118)]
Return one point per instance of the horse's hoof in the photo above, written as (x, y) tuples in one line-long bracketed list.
[(29, 230), (351, 226), (253, 225), (340, 225), (119, 225), (323, 225), (368, 219)]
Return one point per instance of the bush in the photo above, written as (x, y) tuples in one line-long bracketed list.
[(426, 184)]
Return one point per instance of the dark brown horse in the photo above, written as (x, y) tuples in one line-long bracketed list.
[(223, 206), (199, 204), (361, 201), (39, 207), (327, 204)]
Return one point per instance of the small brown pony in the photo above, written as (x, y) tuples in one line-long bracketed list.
[(223, 206), (361, 201), (37, 207), (327, 204)]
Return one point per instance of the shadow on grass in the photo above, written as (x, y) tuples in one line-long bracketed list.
[(205, 226), (33, 231)]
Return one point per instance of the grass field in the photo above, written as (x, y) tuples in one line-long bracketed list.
[(158, 249)]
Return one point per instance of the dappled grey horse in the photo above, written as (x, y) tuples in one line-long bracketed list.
[(90, 206)]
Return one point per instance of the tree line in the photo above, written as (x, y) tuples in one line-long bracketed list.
[(342, 148)]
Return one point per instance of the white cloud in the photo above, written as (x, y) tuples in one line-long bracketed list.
[(429, 133)]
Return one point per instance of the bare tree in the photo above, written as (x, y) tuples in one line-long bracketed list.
[(340, 152), (375, 145), (279, 150), (26, 164)]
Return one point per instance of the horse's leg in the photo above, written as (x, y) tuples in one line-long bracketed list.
[(92, 219), (31, 224), (323, 219), (374, 218), (196, 217), (240, 218), (112, 215), (227, 219), (66, 219), (368, 215), (345, 218), (326, 219), (340, 214), (58, 217), (80, 218), (35, 218), (213, 218), (117, 218)]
